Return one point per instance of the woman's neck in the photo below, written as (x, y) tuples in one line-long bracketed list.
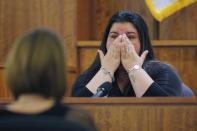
[(31, 103)]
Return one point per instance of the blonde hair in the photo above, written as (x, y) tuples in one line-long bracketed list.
[(36, 65)]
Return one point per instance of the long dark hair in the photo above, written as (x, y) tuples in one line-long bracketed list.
[(139, 24), (121, 17)]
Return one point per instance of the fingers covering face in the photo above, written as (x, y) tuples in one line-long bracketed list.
[(114, 49), (122, 46)]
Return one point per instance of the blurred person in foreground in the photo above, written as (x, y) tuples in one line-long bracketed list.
[(35, 74)]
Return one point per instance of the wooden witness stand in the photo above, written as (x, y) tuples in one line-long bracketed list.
[(139, 114)]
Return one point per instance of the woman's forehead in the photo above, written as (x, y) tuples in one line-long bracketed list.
[(125, 27)]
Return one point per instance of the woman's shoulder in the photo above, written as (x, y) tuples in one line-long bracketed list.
[(158, 68), (157, 65)]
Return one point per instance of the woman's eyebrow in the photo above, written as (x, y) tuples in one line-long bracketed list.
[(113, 32), (128, 33)]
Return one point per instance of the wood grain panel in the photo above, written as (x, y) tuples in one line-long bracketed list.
[(87, 56), (85, 19), (181, 25), (144, 114), (4, 91), (94, 15), (19, 16), (181, 54), (103, 13)]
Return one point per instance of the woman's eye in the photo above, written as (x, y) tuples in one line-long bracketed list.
[(131, 37), (114, 36)]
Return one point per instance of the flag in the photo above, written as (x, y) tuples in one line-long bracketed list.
[(161, 9)]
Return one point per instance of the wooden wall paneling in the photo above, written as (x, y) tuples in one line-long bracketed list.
[(17, 17), (86, 57), (20, 16), (87, 51), (70, 40), (4, 91), (94, 15), (181, 25), (105, 9), (85, 19)]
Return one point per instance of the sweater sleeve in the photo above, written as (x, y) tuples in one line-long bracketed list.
[(79, 87), (80, 90), (84, 92), (166, 80)]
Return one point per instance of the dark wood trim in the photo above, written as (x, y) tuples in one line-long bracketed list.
[(132, 100), (156, 43), (124, 100)]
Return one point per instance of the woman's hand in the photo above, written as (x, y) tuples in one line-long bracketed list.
[(111, 60), (129, 56)]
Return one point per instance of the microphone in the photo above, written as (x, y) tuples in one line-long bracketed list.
[(103, 90)]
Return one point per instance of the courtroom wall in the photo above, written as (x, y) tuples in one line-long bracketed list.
[(19, 16), (94, 14)]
